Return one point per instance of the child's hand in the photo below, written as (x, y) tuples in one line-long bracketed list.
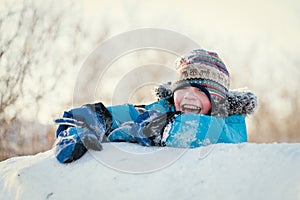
[(81, 135), (89, 119), (89, 139), (68, 122), (82, 117)]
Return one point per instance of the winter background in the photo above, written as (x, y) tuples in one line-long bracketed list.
[(43, 46)]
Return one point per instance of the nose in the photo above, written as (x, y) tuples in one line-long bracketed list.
[(190, 94)]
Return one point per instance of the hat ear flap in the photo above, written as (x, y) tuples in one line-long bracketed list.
[(243, 103)]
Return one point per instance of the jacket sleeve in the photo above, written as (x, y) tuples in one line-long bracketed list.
[(121, 114), (194, 130), (76, 124), (128, 112), (235, 130), (129, 122)]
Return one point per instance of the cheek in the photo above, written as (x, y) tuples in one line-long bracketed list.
[(177, 101), (207, 105)]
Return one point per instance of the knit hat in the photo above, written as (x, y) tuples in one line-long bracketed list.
[(205, 70)]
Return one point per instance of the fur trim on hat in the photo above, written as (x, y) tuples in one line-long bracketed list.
[(164, 91), (239, 102)]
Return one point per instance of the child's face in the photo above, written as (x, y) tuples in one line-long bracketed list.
[(191, 100)]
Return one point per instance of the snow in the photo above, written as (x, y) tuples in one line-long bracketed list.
[(129, 171)]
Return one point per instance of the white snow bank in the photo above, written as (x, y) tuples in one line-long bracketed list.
[(129, 171)]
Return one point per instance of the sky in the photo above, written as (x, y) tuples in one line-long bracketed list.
[(258, 40), (240, 20), (255, 39)]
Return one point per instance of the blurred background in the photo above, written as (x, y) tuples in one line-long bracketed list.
[(43, 45)]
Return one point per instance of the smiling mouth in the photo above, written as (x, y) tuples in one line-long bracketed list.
[(190, 109)]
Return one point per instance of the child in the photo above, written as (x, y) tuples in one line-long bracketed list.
[(198, 109)]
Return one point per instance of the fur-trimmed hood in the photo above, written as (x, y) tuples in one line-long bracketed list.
[(238, 102)]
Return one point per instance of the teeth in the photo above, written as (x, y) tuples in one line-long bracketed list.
[(191, 108)]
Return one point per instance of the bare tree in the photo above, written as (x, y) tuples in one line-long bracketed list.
[(37, 45)]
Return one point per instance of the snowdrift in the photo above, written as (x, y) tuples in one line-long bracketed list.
[(129, 171)]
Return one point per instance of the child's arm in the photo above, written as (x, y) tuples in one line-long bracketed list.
[(191, 130), (85, 127), (194, 130)]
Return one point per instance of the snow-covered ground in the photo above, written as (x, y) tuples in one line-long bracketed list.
[(129, 171)]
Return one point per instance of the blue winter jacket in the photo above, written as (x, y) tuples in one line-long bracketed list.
[(186, 130), (128, 123)]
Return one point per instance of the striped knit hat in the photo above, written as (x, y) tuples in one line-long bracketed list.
[(205, 70)]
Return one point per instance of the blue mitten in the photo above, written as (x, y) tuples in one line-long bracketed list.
[(81, 129), (82, 117), (90, 138), (72, 143), (90, 119)]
